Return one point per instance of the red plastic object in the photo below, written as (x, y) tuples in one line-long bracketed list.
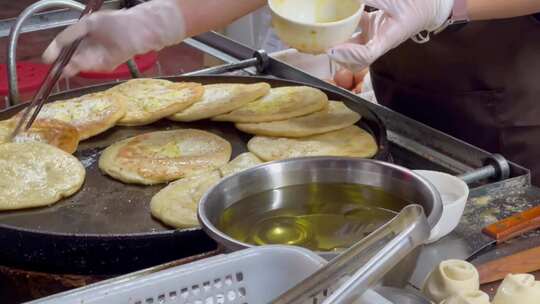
[(144, 62), (30, 75)]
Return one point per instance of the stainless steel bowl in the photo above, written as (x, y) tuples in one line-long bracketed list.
[(396, 180)]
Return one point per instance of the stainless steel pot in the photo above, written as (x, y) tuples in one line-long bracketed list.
[(396, 180)]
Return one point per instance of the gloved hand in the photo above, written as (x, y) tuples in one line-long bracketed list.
[(113, 37), (394, 23)]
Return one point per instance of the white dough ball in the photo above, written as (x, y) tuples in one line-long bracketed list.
[(450, 278), (518, 289)]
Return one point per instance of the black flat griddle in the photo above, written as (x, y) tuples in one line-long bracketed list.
[(106, 228)]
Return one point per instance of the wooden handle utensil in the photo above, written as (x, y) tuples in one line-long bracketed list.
[(515, 225), (506, 229), (522, 262)]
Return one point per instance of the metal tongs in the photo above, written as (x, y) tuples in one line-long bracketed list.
[(364, 264), (52, 77)]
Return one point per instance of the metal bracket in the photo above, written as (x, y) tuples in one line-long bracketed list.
[(496, 167)]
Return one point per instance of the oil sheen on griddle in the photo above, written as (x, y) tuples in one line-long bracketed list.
[(320, 217)]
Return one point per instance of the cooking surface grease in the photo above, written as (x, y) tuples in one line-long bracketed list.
[(318, 216)]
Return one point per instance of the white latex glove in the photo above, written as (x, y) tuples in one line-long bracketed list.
[(394, 23), (113, 37)]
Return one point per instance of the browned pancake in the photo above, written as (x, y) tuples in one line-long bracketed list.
[(51, 131)]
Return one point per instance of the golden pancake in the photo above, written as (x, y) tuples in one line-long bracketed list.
[(176, 204), (50, 131), (164, 156), (222, 98), (334, 117), (279, 104), (351, 141), (149, 100), (241, 162), (91, 114), (34, 174)]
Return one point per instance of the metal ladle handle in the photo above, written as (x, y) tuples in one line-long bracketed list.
[(14, 97), (366, 262), (259, 60)]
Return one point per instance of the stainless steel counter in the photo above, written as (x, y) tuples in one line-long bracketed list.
[(484, 207)]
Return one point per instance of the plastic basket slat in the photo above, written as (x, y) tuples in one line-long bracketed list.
[(250, 276)]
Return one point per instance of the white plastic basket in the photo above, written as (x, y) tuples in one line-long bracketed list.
[(250, 276)]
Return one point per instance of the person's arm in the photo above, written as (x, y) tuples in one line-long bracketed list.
[(112, 37), (500, 9), (204, 15), (396, 21)]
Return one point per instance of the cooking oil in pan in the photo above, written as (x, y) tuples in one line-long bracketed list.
[(320, 217)]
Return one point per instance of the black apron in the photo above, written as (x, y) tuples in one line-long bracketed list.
[(479, 82)]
